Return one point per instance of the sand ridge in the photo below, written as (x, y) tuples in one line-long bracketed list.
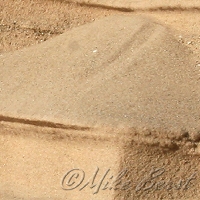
[(118, 80)]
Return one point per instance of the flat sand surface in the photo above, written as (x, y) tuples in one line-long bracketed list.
[(69, 65)]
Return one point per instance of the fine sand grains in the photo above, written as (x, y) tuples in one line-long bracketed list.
[(131, 73), (120, 89)]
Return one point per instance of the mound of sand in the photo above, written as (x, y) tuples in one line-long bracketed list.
[(60, 98), (130, 73)]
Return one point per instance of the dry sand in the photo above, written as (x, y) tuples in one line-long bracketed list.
[(128, 82), (128, 5)]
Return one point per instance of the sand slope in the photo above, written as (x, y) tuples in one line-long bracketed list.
[(131, 73)]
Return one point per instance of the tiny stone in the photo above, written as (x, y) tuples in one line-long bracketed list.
[(198, 65), (184, 134)]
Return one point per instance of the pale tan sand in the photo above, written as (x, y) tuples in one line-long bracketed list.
[(23, 23), (144, 4), (104, 73), (122, 95)]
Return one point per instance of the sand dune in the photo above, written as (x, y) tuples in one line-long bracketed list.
[(104, 73), (121, 93)]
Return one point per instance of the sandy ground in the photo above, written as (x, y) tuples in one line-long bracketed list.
[(23, 23), (165, 84), (128, 5)]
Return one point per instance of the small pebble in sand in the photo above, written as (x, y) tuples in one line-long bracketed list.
[(190, 42)]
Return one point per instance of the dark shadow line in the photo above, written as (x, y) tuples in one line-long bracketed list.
[(42, 123)]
